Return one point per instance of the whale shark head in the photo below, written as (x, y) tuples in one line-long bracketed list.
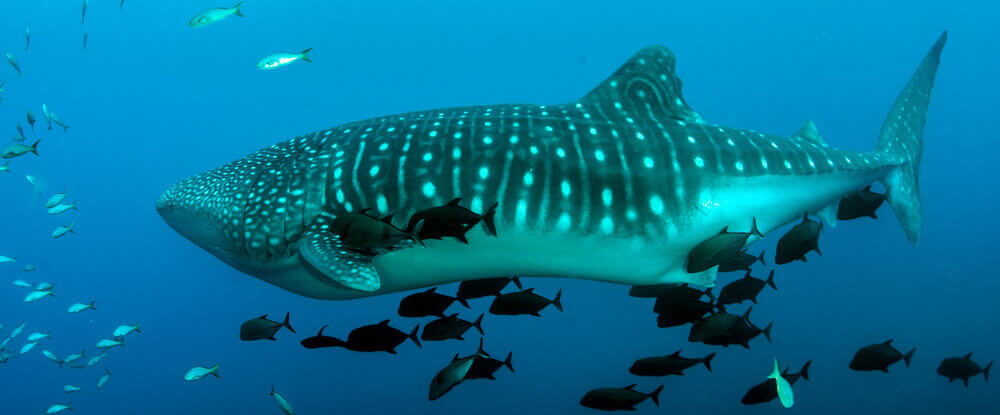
[(202, 209)]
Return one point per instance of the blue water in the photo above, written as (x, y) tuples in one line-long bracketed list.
[(152, 101)]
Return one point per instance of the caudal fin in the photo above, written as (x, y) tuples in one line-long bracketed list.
[(708, 361), (909, 356), (413, 336), (558, 300), (287, 324), (986, 372), (902, 137), (655, 395)]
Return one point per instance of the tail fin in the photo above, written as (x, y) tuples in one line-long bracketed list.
[(287, 324), (214, 371), (304, 55), (34, 147), (655, 395), (908, 356), (491, 227), (463, 302), (902, 137), (478, 324), (558, 300), (986, 372), (767, 331), (805, 370), (236, 9), (507, 362), (761, 258), (413, 336), (770, 280), (708, 361), (92, 307)]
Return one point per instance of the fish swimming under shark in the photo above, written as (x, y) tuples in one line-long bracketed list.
[(618, 186)]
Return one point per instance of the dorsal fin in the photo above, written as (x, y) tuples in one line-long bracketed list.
[(676, 354), (629, 387), (454, 202), (321, 330), (646, 85), (968, 356), (888, 342), (810, 133)]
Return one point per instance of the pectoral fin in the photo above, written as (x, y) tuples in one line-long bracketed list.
[(328, 255)]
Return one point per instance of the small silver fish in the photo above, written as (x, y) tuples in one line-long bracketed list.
[(278, 60), (18, 150), (62, 230), (55, 199), (31, 120), (216, 15), (27, 37), (62, 207), (13, 62)]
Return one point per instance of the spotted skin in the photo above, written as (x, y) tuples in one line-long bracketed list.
[(617, 186)]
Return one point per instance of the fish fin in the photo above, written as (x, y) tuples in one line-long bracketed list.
[(761, 258), (705, 278), (327, 255), (488, 219), (286, 324), (304, 55), (478, 324), (454, 202), (517, 282), (236, 9), (629, 387), (968, 356), (463, 302), (754, 300), (215, 372), (770, 280), (767, 331), (676, 354), (432, 289), (655, 395), (810, 133), (747, 275), (413, 336), (34, 147), (754, 230), (908, 356), (320, 333), (558, 301), (828, 214), (507, 362), (707, 361), (804, 372), (383, 322), (965, 381), (645, 86), (92, 307), (901, 138), (986, 371), (884, 369)]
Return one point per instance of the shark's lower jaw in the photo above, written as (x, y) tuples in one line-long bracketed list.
[(616, 187)]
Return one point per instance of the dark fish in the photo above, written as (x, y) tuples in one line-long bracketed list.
[(618, 399), (27, 37), (484, 366), (85, 36), (83, 16), (963, 368), (450, 327), (801, 239), (450, 220), (740, 262), (261, 328), (650, 291), (743, 289), (31, 120), (668, 365), (320, 341), (879, 357), (724, 329), (767, 390), (371, 338), (486, 287), (678, 314), (523, 302), (860, 204), (20, 134), (678, 294), (713, 251), (427, 303), (13, 63), (368, 234)]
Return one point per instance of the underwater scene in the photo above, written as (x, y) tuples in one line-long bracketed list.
[(537, 207)]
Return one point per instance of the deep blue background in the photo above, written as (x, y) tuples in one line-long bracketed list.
[(152, 101)]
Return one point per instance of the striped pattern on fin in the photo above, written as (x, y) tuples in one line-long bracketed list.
[(326, 253), (646, 85)]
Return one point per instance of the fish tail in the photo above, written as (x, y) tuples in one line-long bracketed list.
[(137, 328), (558, 300), (507, 362), (517, 282), (655, 395), (901, 137), (805, 370), (478, 324), (463, 302), (761, 258), (92, 307), (707, 361), (236, 9), (908, 356), (304, 55), (770, 280), (34, 147), (488, 221), (413, 336), (215, 371), (986, 372), (287, 324), (767, 331)]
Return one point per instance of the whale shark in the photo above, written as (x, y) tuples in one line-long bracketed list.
[(617, 186)]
